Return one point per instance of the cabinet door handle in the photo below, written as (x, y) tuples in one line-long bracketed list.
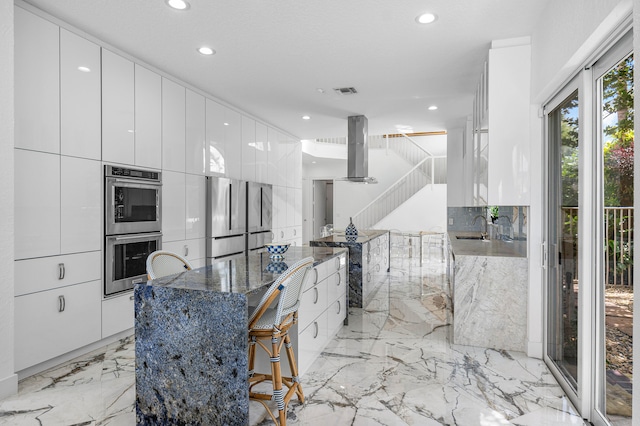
[(294, 232), (315, 280), (281, 234), (61, 271), (186, 250), (339, 307), (61, 303), (337, 263), (317, 295), (339, 279), (315, 334), (131, 297), (368, 277)]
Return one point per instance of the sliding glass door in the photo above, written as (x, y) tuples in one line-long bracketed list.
[(613, 82), (589, 236), (563, 236)]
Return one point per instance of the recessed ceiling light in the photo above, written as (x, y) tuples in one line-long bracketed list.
[(313, 162), (320, 90), (206, 50), (226, 124), (433, 108), (84, 69), (306, 117), (426, 18), (178, 4)]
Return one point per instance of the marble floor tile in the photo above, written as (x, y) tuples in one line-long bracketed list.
[(394, 364)]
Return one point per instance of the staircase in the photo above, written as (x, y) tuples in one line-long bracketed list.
[(427, 170)]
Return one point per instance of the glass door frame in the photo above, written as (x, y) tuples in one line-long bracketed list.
[(550, 248)]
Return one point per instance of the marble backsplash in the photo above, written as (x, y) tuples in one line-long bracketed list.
[(511, 222)]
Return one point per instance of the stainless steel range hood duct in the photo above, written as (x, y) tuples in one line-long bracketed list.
[(358, 150)]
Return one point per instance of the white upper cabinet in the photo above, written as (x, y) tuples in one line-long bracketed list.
[(214, 145), (117, 109), (291, 161), (281, 159), (262, 174), (173, 126), (233, 143), (81, 215), (272, 156), (37, 83), (80, 121), (60, 214), (248, 149), (509, 110), (297, 165), (148, 118), (195, 133), (37, 204), (173, 206), (196, 188)]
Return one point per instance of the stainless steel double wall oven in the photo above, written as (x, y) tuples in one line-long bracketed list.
[(133, 222)]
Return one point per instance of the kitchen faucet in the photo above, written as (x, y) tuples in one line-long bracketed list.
[(484, 234)]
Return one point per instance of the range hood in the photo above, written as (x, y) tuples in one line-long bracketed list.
[(358, 151)]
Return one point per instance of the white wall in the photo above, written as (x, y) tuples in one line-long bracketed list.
[(455, 169), (8, 380), (425, 211), (349, 198), (567, 33)]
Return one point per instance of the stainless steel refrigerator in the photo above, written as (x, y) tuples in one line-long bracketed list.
[(259, 214), (226, 217)]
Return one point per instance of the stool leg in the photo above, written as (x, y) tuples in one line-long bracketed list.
[(252, 355), (293, 367), (276, 376)]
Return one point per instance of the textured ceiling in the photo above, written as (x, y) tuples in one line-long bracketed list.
[(273, 55)]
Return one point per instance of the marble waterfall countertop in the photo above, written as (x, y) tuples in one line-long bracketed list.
[(489, 292), (244, 274), (192, 338), (466, 247), (363, 237)]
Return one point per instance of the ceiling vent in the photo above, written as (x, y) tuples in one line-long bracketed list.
[(345, 90)]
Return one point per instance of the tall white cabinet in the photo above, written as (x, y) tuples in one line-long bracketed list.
[(79, 106)]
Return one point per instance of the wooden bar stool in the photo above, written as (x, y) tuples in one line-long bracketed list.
[(271, 321)]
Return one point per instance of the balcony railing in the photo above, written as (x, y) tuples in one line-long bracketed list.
[(618, 249)]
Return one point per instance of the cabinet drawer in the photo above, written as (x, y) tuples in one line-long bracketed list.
[(316, 275), (46, 273), (117, 314), (51, 323), (312, 303), (336, 314), (311, 342), (337, 284)]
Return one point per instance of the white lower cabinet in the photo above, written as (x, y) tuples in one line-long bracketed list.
[(323, 308), (117, 314), (54, 322), (56, 271), (311, 342)]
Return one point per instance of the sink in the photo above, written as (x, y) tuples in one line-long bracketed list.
[(469, 237)]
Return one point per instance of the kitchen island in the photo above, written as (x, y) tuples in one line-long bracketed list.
[(489, 291), (191, 335), (369, 255)]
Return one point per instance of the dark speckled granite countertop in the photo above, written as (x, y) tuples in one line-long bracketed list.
[(363, 237), (244, 274)]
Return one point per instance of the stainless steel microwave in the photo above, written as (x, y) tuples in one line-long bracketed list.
[(132, 201)]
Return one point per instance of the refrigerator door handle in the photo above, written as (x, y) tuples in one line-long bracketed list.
[(261, 208), (230, 204)]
